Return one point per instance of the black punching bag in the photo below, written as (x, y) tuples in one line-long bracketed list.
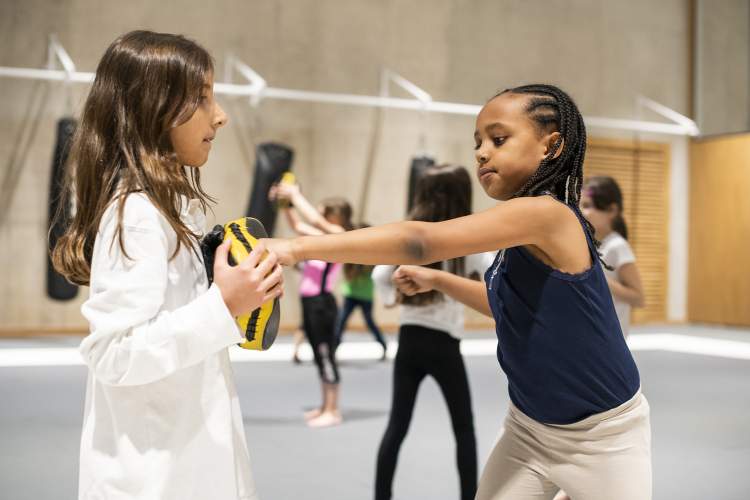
[(418, 166), (271, 161), (58, 287)]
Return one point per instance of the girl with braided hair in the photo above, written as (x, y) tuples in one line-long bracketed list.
[(577, 419)]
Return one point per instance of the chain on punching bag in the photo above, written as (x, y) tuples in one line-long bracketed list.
[(58, 288), (271, 161), (419, 164)]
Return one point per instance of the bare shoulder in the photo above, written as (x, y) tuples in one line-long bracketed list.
[(542, 214), (533, 222), (561, 241), (545, 203)]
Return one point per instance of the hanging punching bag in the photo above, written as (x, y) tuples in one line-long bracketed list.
[(58, 288), (271, 161), (418, 166)]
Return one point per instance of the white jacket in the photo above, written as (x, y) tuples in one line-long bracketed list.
[(162, 418)]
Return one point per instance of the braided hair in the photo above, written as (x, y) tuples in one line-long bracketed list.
[(552, 110)]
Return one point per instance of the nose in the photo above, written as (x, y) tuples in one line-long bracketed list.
[(220, 117), (481, 156)]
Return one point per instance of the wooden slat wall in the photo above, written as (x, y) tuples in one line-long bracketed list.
[(642, 171), (719, 268)]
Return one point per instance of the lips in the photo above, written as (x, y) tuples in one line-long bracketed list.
[(484, 171)]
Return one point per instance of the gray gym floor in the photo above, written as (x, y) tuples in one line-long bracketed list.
[(700, 408)]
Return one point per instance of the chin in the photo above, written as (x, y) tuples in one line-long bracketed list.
[(496, 193), (197, 163)]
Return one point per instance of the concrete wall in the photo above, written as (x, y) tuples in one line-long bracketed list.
[(603, 52), (723, 66)]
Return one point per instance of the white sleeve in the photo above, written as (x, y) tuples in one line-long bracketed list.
[(381, 276), (479, 263), (620, 255), (133, 340)]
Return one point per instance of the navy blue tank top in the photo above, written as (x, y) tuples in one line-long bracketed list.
[(559, 340)]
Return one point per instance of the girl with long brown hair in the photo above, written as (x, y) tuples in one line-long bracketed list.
[(431, 326), (162, 416)]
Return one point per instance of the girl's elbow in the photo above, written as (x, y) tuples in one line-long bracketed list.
[(108, 360), (416, 246), (300, 230), (107, 371), (121, 373), (415, 252), (638, 300)]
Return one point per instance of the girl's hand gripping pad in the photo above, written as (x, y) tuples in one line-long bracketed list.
[(261, 326)]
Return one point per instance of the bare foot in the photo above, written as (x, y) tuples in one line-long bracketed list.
[(561, 495), (327, 419), (311, 414)]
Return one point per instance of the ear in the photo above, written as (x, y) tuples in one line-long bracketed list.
[(550, 141)]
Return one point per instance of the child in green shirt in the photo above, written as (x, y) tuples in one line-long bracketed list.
[(358, 291)]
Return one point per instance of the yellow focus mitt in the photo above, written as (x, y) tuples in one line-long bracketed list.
[(261, 326)]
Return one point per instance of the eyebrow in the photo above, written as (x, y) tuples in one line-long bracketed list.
[(491, 127)]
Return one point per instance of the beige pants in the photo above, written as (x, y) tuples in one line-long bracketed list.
[(605, 456)]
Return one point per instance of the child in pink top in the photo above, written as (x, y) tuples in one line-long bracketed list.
[(319, 309), (312, 278)]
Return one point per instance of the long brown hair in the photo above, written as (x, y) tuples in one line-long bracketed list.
[(146, 84), (443, 192)]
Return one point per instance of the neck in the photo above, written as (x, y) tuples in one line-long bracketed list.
[(603, 233)]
